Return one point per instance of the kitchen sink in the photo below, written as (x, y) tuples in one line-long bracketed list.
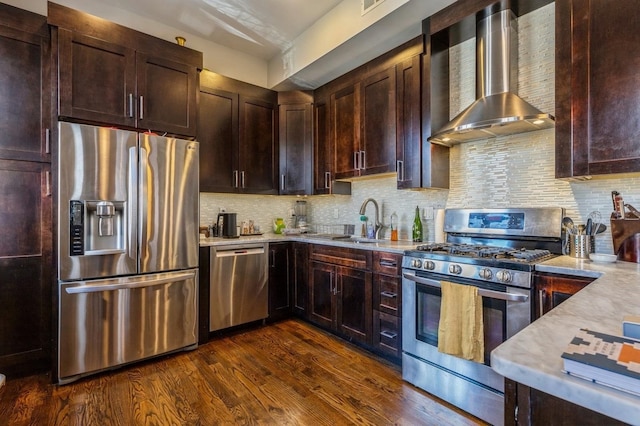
[(328, 236)]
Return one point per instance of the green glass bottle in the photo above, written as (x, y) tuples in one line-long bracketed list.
[(417, 227)]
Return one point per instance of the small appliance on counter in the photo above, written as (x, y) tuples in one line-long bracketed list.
[(300, 210), (227, 225)]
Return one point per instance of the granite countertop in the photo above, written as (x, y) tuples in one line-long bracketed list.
[(359, 243), (532, 357)]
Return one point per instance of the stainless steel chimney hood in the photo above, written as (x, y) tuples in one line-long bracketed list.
[(497, 111)]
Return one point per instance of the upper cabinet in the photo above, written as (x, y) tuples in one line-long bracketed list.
[(597, 87), (237, 134), (110, 74), (295, 112), (24, 85)]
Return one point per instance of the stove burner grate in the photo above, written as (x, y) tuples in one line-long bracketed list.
[(485, 252)]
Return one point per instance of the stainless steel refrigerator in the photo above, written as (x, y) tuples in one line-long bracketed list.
[(127, 247)]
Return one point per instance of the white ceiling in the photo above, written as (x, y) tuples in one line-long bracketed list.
[(260, 28)]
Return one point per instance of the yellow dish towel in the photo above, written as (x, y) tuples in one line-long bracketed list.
[(461, 329)]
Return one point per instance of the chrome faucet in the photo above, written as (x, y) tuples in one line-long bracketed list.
[(378, 224)]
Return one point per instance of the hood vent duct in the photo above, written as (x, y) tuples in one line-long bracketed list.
[(497, 111)]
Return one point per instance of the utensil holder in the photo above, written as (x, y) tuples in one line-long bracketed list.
[(581, 245)]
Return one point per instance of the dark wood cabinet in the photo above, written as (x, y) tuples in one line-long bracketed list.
[(237, 135), (408, 147), (322, 145), (112, 75), (387, 304), (280, 280), (363, 124), (526, 406), (340, 291), (204, 283), (295, 128), (597, 87), (553, 289), (26, 241), (299, 303)]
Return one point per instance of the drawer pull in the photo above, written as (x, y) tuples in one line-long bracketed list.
[(388, 294), (391, 263), (388, 334)]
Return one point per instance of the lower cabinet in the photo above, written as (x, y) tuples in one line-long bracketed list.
[(553, 289), (387, 304), (287, 280), (340, 291), (528, 406)]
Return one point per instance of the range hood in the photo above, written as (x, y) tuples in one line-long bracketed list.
[(497, 111)]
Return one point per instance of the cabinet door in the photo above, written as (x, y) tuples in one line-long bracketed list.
[(353, 300), (300, 280), (408, 147), (166, 95), (279, 280), (323, 149), (97, 80), (218, 138), (378, 123), (597, 87), (345, 131), (25, 99), (552, 289), (26, 276), (295, 149), (258, 147), (321, 294)]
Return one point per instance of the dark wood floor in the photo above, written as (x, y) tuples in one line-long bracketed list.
[(281, 374)]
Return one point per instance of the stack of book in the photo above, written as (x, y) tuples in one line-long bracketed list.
[(606, 359)]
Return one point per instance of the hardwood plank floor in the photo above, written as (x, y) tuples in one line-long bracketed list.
[(288, 373)]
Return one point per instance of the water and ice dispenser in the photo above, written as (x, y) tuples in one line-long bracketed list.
[(96, 227)]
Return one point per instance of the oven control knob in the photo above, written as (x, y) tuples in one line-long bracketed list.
[(455, 269), (416, 263), (429, 265), (485, 273), (504, 276)]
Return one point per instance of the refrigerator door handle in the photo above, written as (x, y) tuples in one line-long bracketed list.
[(142, 204), (138, 283), (132, 249)]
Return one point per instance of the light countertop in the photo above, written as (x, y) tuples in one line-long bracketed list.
[(532, 357), (363, 244)]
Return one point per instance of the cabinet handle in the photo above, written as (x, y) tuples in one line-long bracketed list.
[(387, 262), (400, 170), (242, 179), (388, 334), (327, 179), (356, 156), (235, 178), (141, 107), (282, 180), (130, 105), (47, 179), (47, 141), (541, 296), (388, 294), (363, 160)]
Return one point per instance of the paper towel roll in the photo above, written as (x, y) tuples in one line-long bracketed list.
[(440, 236)]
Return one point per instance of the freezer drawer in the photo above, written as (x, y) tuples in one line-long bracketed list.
[(109, 322)]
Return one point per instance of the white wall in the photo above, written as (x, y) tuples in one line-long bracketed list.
[(513, 171)]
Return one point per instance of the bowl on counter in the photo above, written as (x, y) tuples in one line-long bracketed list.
[(603, 258)]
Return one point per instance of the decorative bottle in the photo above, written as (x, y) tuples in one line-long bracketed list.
[(417, 227)]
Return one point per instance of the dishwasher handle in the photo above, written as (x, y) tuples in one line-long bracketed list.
[(240, 252)]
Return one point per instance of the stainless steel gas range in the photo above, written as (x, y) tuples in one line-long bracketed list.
[(496, 251)]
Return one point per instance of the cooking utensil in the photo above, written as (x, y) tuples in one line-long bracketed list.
[(589, 227), (581, 229), (567, 222), (596, 219), (600, 228)]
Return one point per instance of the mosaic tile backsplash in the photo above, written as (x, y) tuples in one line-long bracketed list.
[(514, 171)]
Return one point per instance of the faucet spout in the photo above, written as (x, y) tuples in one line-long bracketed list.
[(378, 224)]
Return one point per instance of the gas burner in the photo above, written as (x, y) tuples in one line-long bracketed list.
[(485, 252)]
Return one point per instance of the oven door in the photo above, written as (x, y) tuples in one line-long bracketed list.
[(506, 310)]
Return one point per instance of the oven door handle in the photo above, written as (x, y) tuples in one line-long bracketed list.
[(509, 297)]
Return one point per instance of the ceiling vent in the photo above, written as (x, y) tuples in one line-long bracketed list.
[(369, 5)]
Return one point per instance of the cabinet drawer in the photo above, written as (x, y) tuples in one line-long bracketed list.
[(387, 263), (352, 258), (386, 294), (387, 334)]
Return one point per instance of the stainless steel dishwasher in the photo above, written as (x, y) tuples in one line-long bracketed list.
[(239, 291)]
